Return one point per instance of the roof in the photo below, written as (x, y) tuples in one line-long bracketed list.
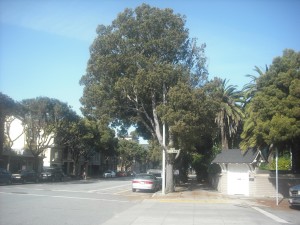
[(237, 156)]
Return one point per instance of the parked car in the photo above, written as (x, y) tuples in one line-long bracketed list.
[(52, 174), (5, 176), (121, 174), (157, 173), (24, 176), (131, 173), (294, 192), (145, 181), (109, 173)]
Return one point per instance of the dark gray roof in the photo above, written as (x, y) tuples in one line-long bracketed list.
[(236, 156)]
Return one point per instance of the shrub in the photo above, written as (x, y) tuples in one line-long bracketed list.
[(284, 163)]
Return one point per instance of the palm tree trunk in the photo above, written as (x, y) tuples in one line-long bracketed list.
[(224, 139)]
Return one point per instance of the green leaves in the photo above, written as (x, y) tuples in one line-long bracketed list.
[(131, 60), (43, 118), (129, 152), (230, 114), (273, 112)]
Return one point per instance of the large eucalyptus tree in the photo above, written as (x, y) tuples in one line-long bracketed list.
[(133, 64)]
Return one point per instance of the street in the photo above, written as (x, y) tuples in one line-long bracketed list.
[(73, 202), (111, 201)]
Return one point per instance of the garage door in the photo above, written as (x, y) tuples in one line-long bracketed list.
[(238, 179)]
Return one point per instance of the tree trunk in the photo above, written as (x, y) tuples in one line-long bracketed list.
[(169, 158), (169, 174), (296, 157), (169, 166), (224, 139), (1, 133)]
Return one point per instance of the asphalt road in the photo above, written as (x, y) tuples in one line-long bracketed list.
[(74, 202), (111, 201)]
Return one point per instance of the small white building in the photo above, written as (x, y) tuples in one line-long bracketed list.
[(237, 171)]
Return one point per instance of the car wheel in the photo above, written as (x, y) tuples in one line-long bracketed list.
[(133, 190), (8, 182), (23, 181), (36, 180)]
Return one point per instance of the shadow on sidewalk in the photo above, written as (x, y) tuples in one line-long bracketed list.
[(194, 185)]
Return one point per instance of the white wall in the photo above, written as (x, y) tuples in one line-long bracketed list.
[(238, 179), (16, 129)]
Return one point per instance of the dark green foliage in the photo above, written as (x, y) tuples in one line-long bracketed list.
[(130, 152), (272, 115), (141, 57), (42, 118), (8, 107), (230, 114), (130, 61)]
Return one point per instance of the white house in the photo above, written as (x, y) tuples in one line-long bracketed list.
[(238, 170), (19, 158)]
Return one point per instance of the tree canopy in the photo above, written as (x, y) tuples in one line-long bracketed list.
[(273, 114), (130, 152), (42, 117), (130, 61), (8, 107), (230, 114), (134, 62)]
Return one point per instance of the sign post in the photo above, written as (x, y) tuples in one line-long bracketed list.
[(173, 150)]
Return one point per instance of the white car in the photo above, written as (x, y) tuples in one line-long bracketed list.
[(294, 192), (145, 181), (109, 173)]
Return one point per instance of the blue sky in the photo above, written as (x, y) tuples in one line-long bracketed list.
[(44, 45)]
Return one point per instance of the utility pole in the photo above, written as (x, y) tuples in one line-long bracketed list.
[(276, 162), (163, 189)]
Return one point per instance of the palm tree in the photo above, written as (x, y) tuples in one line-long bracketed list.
[(230, 114), (250, 89)]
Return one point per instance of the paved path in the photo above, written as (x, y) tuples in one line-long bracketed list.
[(196, 204)]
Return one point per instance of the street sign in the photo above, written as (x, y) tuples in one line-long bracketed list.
[(173, 150)]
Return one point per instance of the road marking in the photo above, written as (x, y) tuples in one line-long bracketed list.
[(67, 197), (58, 190), (201, 201), (276, 218), (109, 188), (98, 191), (119, 192)]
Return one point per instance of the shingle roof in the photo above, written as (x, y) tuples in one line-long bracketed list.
[(236, 156)]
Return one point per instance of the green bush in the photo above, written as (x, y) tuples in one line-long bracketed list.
[(284, 163), (264, 166)]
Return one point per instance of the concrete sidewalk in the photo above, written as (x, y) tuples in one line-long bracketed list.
[(197, 192), (190, 204)]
